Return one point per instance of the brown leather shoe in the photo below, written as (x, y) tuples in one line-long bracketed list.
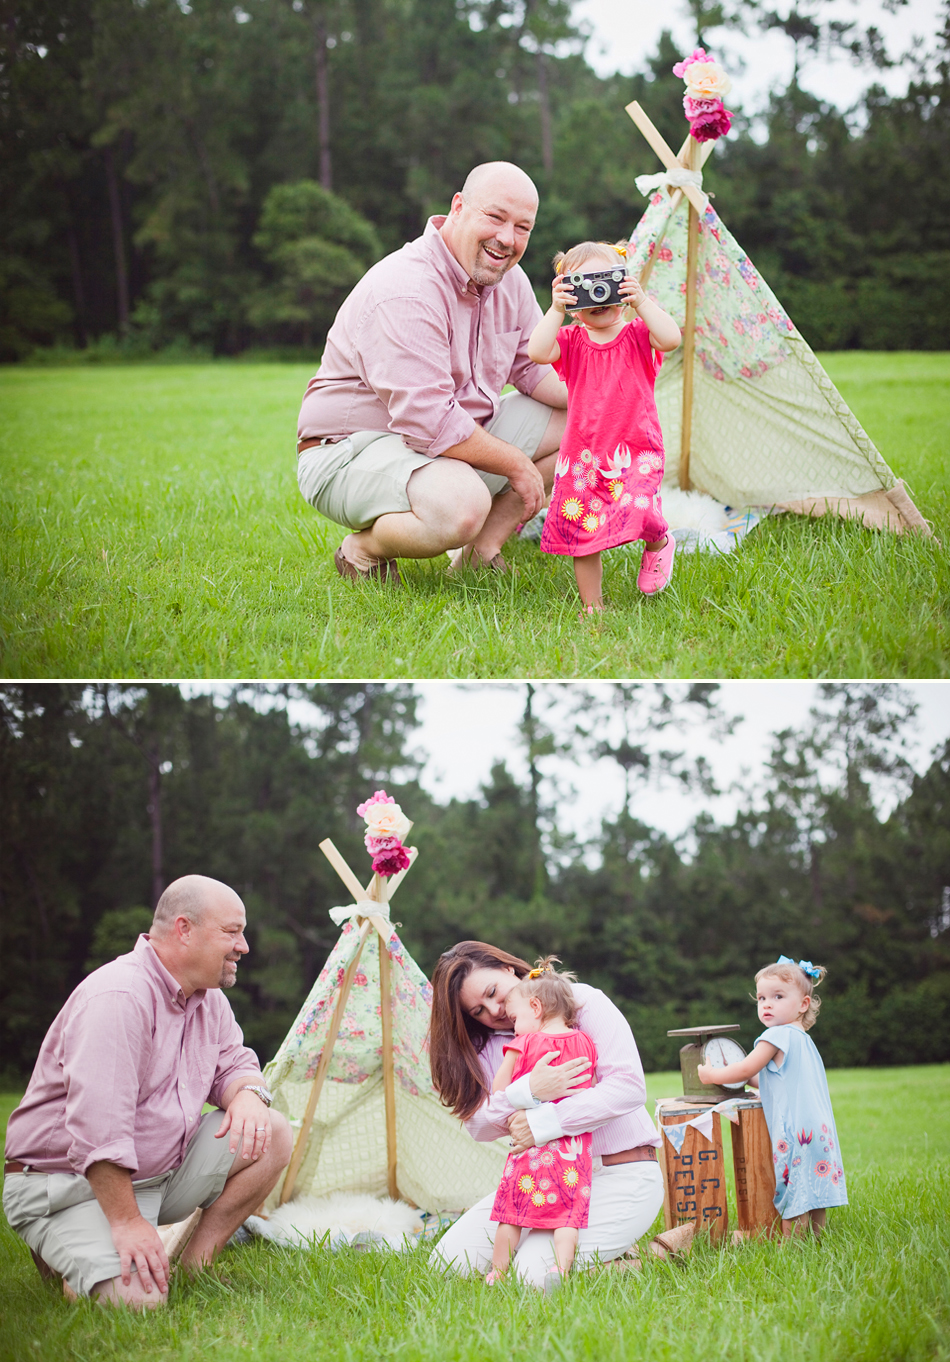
[(385, 571)]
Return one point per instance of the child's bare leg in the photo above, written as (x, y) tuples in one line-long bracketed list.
[(589, 573), (565, 1244), (507, 1238), (655, 545), (797, 1227), (818, 1218)]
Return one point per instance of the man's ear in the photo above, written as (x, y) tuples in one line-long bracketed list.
[(455, 207), (183, 929)]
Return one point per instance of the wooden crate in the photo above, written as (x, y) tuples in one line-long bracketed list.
[(755, 1172), (694, 1178)]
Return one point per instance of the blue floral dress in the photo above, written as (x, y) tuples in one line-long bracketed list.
[(797, 1106)]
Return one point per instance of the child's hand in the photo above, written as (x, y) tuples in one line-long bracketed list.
[(562, 295), (706, 1074), (632, 292)]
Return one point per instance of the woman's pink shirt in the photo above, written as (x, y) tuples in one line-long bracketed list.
[(613, 1110)]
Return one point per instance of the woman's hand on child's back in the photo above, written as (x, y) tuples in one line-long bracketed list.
[(550, 1080)]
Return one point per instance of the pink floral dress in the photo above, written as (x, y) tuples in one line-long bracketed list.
[(608, 474), (548, 1188)]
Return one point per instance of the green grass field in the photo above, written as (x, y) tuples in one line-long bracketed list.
[(877, 1287), (151, 527)]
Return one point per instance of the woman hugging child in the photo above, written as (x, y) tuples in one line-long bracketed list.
[(545, 1188), (609, 471), (794, 1091)]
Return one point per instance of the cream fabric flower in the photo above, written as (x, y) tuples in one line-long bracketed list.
[(386, 820), (706, 80)]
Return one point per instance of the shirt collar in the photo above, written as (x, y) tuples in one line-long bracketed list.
[(446, 261), (149, 958)]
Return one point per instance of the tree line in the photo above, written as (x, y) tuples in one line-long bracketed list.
[(215, 176), (111, 792)]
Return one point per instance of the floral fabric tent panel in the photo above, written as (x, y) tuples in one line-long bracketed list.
[(769, 428), (439, 1166)]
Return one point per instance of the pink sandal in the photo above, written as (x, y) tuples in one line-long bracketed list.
[(496, 1275), (656, 567)]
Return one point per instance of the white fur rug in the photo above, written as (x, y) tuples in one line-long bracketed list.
[(692, 510), (698, 521), (342, 1219)]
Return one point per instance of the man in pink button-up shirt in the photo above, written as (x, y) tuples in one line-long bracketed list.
[(109, 1140), (403, 434)]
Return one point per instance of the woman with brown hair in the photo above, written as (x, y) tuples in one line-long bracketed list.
[(469, 1025)]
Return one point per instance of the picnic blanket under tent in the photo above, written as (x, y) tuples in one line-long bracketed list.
[(769, 429)]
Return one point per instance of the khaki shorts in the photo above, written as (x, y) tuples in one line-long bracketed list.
[(367, 474), (58, 1215)]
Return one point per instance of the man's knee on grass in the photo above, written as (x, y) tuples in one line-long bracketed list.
[(451, 499)]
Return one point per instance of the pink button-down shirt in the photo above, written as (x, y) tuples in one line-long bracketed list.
[(125, 1070), (613, 1110), (419, 350)]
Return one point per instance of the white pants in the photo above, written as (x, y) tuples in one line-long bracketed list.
[(624, 1202)]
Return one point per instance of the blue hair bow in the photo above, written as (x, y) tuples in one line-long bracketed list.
[(805, 966)]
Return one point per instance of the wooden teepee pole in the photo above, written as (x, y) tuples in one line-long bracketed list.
[(293, 1168), (689, 328), (677, 196), (389, 1068)]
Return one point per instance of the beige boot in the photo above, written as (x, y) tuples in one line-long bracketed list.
[(675, 1243)]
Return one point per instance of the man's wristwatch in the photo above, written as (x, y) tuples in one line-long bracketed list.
[(259, 1091)]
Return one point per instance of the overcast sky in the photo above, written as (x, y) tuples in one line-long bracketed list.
[(625, 34), (467, 727)]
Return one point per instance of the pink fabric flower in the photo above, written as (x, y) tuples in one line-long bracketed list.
[(374, 845), (380, 797), (696, 55), (695, 107), (391, 862), (707, 127)]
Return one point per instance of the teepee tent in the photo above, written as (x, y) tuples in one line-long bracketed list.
[(352, 1075), (756, 421)]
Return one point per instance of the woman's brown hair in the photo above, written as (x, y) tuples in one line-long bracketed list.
[(456, 1039)]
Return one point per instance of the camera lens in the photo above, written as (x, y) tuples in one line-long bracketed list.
[(599, 291)]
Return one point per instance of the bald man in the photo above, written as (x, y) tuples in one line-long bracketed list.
[(109, 1141), (404, 437)]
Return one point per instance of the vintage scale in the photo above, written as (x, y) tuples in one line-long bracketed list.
[(693, 1167), (711, 1046)]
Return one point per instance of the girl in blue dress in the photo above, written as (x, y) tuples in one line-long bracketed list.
[(794, 1091)]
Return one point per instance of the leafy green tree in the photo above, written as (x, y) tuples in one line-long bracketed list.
[(318, 248)]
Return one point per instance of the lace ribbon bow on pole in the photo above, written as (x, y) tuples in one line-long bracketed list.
[(378, 914), (675, 178)]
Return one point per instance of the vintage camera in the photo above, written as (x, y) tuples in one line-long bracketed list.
[(600, 289)]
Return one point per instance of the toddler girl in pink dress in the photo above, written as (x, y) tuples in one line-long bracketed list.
[(545, 1188), (608, 475)]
